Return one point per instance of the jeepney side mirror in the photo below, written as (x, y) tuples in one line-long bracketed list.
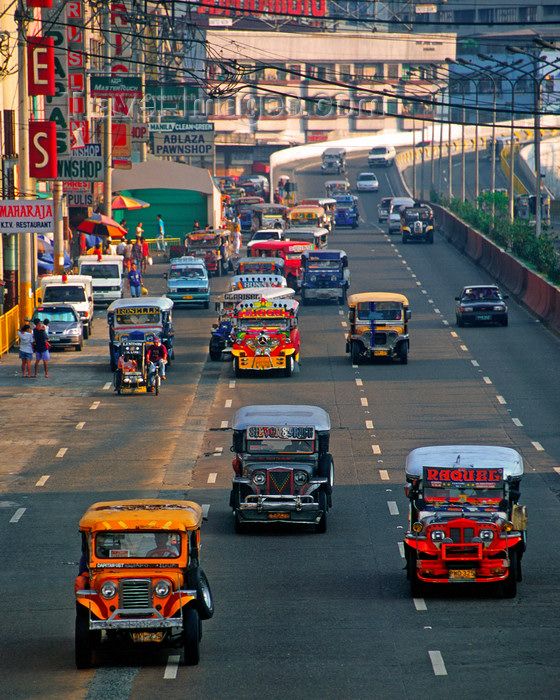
[(237, 443), (90, 298), (407, 314), (352, 315), (165, 275), (457, 298), (407, 490), (39, 298)]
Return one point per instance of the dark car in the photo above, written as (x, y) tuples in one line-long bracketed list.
[(483, 303), (65, 327)]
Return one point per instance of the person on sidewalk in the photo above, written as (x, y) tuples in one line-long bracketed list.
[(135, 281), (41, 347), (25, 349), (145, 253), (161, 245)]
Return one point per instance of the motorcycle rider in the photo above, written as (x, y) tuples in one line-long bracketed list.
[(157, 358)]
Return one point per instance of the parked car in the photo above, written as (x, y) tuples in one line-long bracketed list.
[(367, 182), (481, 303), (66, 329)]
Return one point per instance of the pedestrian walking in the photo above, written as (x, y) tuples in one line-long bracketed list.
[(41, 347), (139, 230), (124, 225), (236, 239), (161, 245), (137, 254), (25, 349), (128, 255), (135, 281), (83, 243), (145, 253), (121, 247)]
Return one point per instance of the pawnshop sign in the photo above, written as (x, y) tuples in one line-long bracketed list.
[(40, 65), (26, 215), (297, 8), (42, 150)]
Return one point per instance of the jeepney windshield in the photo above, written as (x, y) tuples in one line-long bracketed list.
[(380, 311), (203, 244), (258, 268), (323, 264), (457, 495), (138, 545), (138, 317), (189, 273), (293, 256), (245, 324)]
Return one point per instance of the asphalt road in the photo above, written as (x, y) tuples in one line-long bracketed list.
[(297, 614)]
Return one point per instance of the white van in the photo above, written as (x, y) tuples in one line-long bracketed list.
[(76, 290), (382, 155), (107, 276)]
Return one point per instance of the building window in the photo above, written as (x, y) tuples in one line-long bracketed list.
[(465, 16), (296, 71), (273, 107), (529, 14), (372, 70), (345, 72), (392, 106), (393, 70), (369, 107), (486, 16), (505, 14)]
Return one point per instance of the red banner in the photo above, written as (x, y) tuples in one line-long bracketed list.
[(40, 65), (42, 150), (39, 3)]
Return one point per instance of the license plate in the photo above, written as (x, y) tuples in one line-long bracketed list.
[(483, 317), (380, 353), (278, 516), (462, 574), (147, 636), (262, 363), (188, 296)]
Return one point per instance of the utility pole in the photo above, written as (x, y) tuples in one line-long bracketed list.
[(449, 153), (107, 122), (24, 181), (463, 169), (414, 150), (537, 124), (58, 228)]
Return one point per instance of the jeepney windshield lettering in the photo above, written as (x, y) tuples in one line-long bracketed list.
[(138, 545), (138, 316), (458, 495), (246, 324), (275, 446), (324, 264)]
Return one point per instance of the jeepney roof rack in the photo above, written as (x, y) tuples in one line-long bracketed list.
[(281, 414), (479, 456)]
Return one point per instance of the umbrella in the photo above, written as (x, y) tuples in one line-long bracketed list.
[(129, 203), (104, 226)]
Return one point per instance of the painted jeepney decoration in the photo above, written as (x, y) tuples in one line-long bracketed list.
[(465, 522), (284, 472)]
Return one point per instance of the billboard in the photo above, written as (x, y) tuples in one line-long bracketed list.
[(185, 140), (295, 8), (26, 216)]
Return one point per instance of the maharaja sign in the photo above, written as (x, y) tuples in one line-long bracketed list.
[(26, 215)]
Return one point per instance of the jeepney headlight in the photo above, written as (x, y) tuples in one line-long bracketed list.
[(508, 526), (162, 589), (437, 535), (259, 478), (468, 309), (300, 478), (499, 307), (417, 527), (109, 589), (486, 535)]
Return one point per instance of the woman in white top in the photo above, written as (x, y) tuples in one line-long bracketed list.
[(25, 349)]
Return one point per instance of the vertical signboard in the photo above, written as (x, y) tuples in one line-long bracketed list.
[(42, 150), (122, 31), (40, 66), (56, 105), (77, 108)]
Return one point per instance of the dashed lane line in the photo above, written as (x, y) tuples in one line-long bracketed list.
[(16, 517), (107, 386), (364, 401), (359, 382), (537, 445), (224, 424), (393, 507), (423, 291), (376, 449), (430, 301), (436, 311), (437, 663), (94, 406), (212, 477), (487, 380), (464, 348), (453, 334), (60, 454), (384, 475), (228, 403), (354, 366), (445, 323), (420, 604), (205, 510), (501, 400), (517, 422), (474, 363), (369, 425), (557, 470), (344, 324), (80, 425), (172, 667), (43, 480), (232, 383), (400, 545), (218, 450)]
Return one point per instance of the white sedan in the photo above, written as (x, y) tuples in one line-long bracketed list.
[(367, 182)]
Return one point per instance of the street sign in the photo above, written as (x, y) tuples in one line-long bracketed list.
[(186, 142), (115, 85), (26, 215), (80, 199), (85, 164), (426, 9), (178, 126)]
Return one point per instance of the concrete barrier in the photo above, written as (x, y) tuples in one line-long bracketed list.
[(539, 296), (474, 245), (513, 275)]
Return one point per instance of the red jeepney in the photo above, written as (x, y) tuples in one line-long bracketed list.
[(465, 525), (266, 336), (289, 251)]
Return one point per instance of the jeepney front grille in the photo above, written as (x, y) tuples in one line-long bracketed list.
[(136, 593), (190, 290), (280, 482), (459, 534)]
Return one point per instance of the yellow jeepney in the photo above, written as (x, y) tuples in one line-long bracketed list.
[(378, 326), (307, 216)]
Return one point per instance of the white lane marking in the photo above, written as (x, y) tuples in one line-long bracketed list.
[(400, 545), (17, 515), (399, 256), (228, 403), (538, 447), (437, 663), (43, 480), (420, 604), (218, 450), (369, 425), (205, 510), (464, 348), (487, 380), (364, 401), (517, 422), (445, 323), (232, 383), (557, 470), (453, 334), (340, 312), (354, 366), (436, 311), (409, 269), (413, 276), (107, 386), (80, 425), (474, 363), (359, 382), (94, 405), (344, 324), (393, 507), (172, 667), (418, 284), (430, 301), (376, 449), (224, 424), (384, 475), (424, 291), (60, 454), (501, 399), (212, 477)]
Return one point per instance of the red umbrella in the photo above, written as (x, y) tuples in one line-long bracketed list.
[(99, 225), (128, 203)]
